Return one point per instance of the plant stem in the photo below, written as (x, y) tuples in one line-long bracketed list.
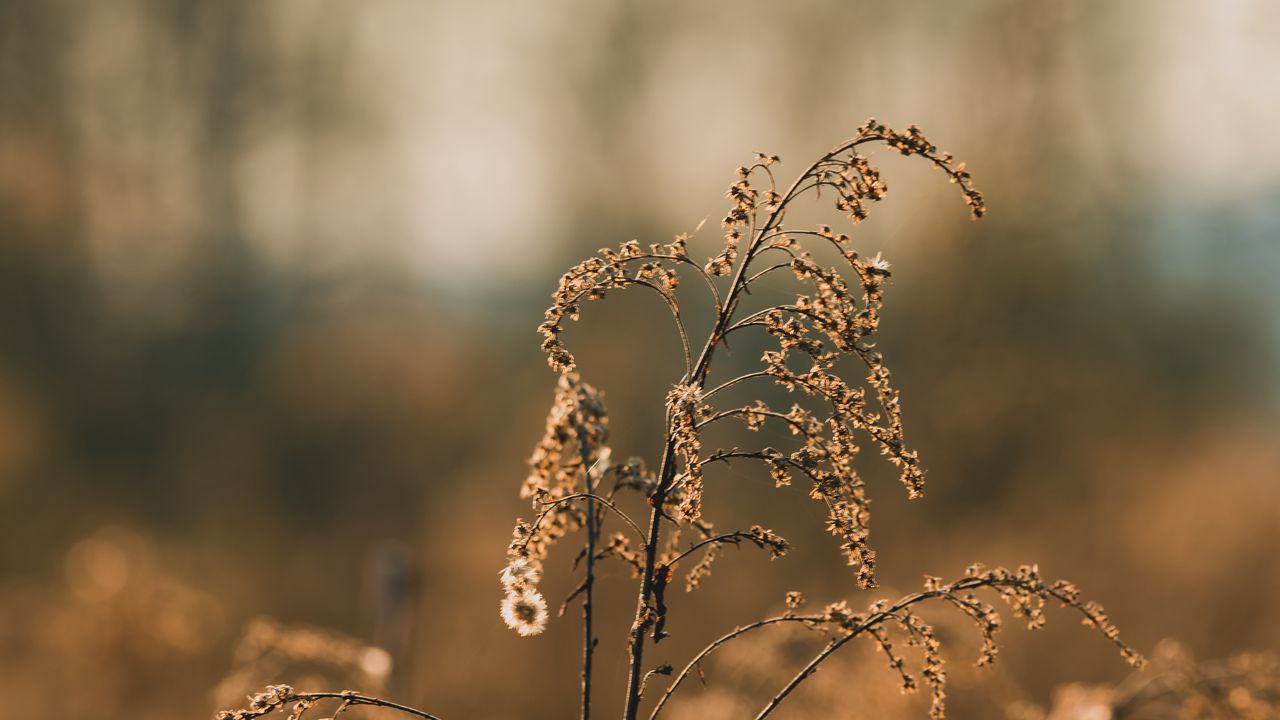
[(736, 632), (666, 473), (351, 698), (698, 378), (588, 636)]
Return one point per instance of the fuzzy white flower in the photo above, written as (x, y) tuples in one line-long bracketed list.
[(525, 611)]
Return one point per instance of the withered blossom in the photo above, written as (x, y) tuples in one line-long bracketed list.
[(525, 611)]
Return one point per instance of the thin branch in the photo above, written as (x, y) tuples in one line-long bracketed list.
[(798, 426), (277, 696), (873, 620), (734, 537), (766, 271), (675, 314), (736, 632), (735, 381), (551, 506), (683, 259), (350, 698), (588, 639), (759, 455), (892, 611)]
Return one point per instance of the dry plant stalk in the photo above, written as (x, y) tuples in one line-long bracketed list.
[(575, 484), (836, 314)]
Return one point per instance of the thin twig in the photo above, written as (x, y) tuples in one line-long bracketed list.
[(736, 632), (588, 636), (350, 698), (734, 537), (551, 505)]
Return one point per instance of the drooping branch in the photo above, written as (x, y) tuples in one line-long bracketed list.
[(551, 505), (758, 536), (277, 697), (673, 305), (1023, 591), (608, 269), (709, 649)]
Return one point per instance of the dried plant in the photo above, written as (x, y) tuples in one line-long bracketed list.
[(836, 314), (575, 484)]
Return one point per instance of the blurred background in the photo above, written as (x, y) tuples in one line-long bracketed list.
[(270, 273)]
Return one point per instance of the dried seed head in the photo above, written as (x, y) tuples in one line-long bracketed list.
[(525, 611), (573, 441)]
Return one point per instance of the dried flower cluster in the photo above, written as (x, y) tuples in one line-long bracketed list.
[(835, 314), (574, 441)]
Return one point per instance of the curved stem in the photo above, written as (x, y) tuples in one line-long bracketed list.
[(735, 381), (702, 655), (758, 455), (735, 537), (796, 425), (837, 643), (351, 698), (766, 271), (892, 611), (597, 498), (588, 605), (675, 314), (684, 260)]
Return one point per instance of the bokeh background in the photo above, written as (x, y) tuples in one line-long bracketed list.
[(270, 273)]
